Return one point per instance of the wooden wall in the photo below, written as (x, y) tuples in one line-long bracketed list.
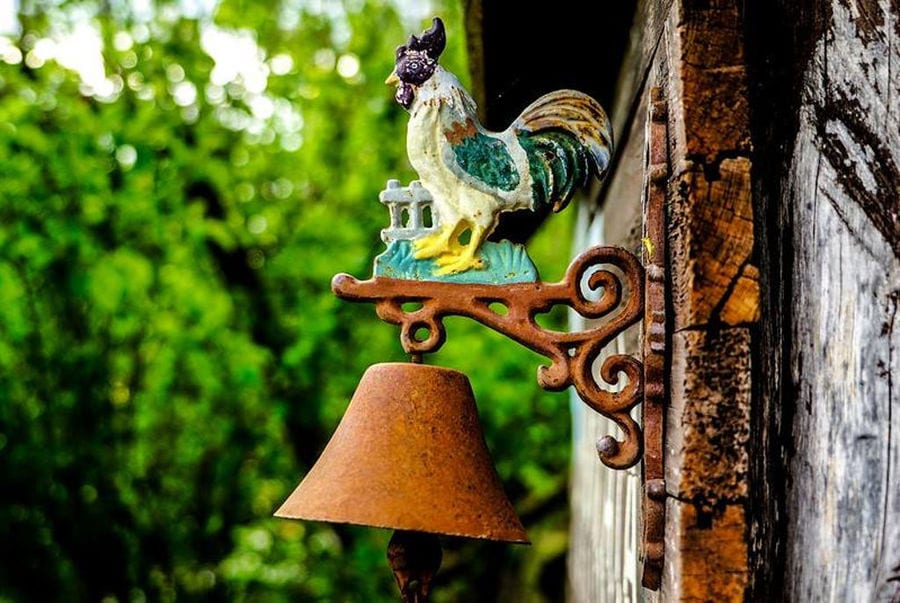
[(715, 305), (603, 562), (783, 450), (827, 125), (783, 443), (694, 51)]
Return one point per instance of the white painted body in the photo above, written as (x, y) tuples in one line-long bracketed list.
[(441, 101)]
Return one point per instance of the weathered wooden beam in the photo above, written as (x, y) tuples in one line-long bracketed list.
[(711, 560), (715, 302), (829, 116), (712, 225), (714, 284)]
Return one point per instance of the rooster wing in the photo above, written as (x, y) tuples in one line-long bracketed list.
[(548, 152)]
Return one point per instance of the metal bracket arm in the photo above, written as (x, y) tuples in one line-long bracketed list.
[(611, 274)]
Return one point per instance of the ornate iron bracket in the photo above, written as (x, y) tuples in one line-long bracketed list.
[(572, 355)]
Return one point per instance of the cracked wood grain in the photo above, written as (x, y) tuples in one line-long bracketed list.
[(716, 279), (715, 298), (832, 282), (846, 233)]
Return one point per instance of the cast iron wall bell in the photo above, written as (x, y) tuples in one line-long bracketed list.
[(409, 453)]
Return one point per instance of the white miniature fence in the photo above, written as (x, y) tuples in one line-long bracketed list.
[(411, 209)]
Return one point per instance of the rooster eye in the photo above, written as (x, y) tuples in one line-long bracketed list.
[(414, 65)]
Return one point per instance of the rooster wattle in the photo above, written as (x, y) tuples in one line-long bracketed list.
[(474, 174)]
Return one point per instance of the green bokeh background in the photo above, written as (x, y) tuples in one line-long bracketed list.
[(172, 360)]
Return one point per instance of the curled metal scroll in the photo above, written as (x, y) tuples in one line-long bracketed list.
[(572, 354)]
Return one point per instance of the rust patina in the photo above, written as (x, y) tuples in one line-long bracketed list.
[(410, 455)]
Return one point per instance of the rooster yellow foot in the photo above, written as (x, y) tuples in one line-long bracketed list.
[(438, 244), (453, 264)]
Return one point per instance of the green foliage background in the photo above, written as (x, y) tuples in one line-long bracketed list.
[(171, 358)]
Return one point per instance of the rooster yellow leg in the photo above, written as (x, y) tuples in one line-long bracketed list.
[(444, 241), (465, 259)]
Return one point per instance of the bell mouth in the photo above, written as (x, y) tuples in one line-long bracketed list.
[(495, 537), (409, 454)]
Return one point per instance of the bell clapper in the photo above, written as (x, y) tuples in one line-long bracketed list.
[(414, 558)]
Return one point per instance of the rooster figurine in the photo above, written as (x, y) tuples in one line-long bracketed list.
[(474, 174)]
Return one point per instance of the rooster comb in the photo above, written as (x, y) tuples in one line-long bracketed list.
[(431, 41)]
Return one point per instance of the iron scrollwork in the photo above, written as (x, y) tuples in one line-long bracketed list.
[(606, 273)]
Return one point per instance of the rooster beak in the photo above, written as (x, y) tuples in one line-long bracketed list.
[(392, 79)]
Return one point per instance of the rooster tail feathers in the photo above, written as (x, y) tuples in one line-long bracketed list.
[(579, 115), (557, 164), (567, 137)]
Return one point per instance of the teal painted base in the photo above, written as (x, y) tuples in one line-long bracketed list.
[(504, 263)]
